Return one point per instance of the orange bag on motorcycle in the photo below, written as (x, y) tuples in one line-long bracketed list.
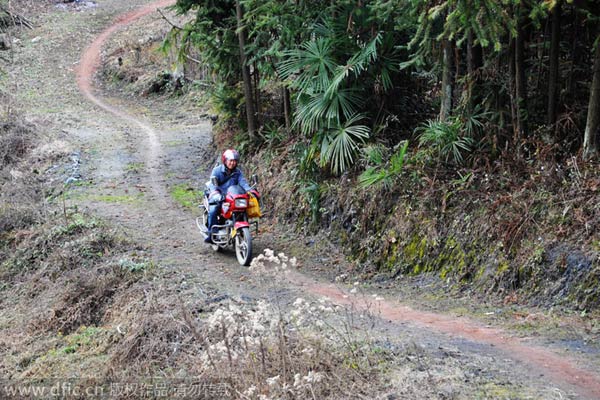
[(253, 209)]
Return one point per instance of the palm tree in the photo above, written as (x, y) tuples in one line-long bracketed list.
[(330, 94)]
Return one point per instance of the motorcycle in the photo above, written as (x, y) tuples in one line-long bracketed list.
[(238, 214)]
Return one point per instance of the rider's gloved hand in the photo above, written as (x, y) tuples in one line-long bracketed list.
[(215, 197)]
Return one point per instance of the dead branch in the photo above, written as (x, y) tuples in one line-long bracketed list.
[(16, 18), (187, 317), (193, 59), (169, 21)]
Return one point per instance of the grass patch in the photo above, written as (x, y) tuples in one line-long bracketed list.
[(83, 183), (135, 167), (185, 195), (125, 199), (107, 198), (84, 336), (499, 390), (74, 354), (136, 265), (76, 224), (174, 143)]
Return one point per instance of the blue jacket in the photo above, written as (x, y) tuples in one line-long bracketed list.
[(225, 179)]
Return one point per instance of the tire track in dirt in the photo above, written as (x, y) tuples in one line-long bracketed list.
[(162, 230), (89, 63), (559, 368)]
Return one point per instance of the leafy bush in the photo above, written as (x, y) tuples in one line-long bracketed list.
[(226, 100), (383, 175), (271, 135)]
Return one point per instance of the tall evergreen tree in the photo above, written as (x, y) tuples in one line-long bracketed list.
[(248, 90), (553, 84), (592, 128)]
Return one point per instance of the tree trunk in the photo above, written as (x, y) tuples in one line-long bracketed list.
[(287, 107), (574, 56), (521, 78), (592, 127), (474, 62), (500, 101), (447, 83), (513, 89), (257, 99), (553, 85), (541, 54), (248, 92)]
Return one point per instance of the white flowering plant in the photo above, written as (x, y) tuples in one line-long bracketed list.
[(267, 351)]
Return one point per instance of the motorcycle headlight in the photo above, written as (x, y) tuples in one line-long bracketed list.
[(241, 203)]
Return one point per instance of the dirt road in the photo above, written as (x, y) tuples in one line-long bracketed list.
[(135, 151)]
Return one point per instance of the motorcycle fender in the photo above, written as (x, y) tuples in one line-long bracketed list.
[(241, 224), (238, 225)]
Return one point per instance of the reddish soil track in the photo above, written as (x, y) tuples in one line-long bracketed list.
[(89, 63), (557, 367), (90, 59)]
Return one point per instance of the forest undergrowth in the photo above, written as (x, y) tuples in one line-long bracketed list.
[(513, 231)]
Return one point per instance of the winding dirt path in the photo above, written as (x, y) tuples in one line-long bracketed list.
[(557, 367), (90, 61), (560, 369)]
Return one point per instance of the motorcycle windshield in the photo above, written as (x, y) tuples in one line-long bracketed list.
[(235, 189)]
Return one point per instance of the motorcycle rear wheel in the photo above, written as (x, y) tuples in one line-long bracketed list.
[(243, 246)]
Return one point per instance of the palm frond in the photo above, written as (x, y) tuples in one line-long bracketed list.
[(446, 139), (311, 66), (340, 145), (310, 112)]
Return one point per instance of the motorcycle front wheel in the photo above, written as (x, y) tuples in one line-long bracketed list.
[(243, 246)]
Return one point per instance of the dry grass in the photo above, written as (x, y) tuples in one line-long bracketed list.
[(20, 205), (25, 154), (58, 279), (21, 193), (16, 140), (305, 350), (102, 324)]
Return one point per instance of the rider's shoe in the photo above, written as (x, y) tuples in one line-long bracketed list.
[(208, 238)]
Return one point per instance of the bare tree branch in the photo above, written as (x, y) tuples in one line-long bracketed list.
[(169, 21), (192, 59)]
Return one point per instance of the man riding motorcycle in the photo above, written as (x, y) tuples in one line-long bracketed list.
[(227, 174)]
